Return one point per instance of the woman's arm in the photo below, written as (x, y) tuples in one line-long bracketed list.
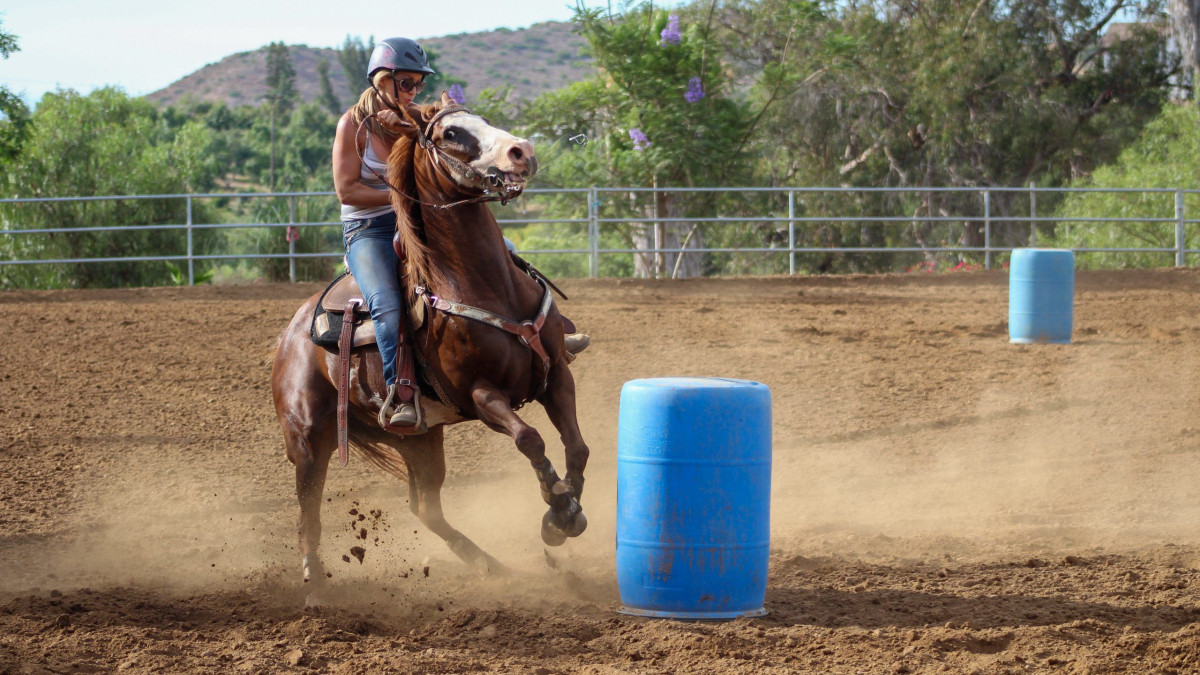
[(346, 171)]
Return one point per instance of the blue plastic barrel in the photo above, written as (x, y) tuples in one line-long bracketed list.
[(1041, 295), (693, 497)]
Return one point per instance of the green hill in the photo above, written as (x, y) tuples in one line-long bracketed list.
[(533, 60)]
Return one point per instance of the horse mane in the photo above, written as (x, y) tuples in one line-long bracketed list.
[(409, 222)]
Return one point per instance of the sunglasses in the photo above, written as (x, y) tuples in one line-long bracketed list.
[(408, 84)]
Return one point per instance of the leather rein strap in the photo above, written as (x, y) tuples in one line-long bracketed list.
[(345, 342), (529, 332)]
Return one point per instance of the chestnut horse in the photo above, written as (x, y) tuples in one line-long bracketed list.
[(446, 165)]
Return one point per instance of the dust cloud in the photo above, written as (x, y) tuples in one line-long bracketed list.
[(1058, 458)]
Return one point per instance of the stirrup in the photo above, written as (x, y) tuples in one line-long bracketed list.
[(576, 342)]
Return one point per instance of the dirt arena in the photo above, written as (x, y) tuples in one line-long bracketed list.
[(943, 501)]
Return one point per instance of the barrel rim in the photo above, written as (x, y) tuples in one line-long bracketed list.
[(693, 616)]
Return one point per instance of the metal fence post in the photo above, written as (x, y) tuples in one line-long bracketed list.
[(593, 233), (1032, 214), (191, 263), (791, 232), (660, 263), (1180, 235), (292, 238), (987, 230)]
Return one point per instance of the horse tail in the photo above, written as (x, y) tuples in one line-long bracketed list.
[(268, 359), (380, 456)]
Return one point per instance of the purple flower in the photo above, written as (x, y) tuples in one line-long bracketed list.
[(695, 90), (671, 35), (640, 142), (456, 92)]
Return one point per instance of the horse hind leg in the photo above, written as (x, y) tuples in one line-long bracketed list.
[(426, 460), (309, 448), (565, 517)]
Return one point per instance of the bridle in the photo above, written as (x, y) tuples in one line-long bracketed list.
[(491, 187)]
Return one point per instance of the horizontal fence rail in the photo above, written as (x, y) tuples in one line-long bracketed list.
[(659, 227)]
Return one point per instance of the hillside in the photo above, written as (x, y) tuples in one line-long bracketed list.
[(543, 57)]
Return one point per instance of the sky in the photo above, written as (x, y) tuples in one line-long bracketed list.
[(144, 45)]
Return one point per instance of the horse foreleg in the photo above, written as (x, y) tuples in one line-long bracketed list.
[(565, 517), (426, 460), (559, 402)]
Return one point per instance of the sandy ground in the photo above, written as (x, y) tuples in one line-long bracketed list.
[(943, 501)]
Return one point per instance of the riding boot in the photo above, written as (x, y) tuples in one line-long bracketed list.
[(398, 413), (576, 342), (405, 415)]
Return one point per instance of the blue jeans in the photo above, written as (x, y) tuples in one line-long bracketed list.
[(373, 262)]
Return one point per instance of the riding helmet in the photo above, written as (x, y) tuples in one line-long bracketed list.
[(398, 54)]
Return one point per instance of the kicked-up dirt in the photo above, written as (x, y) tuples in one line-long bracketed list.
[(943, 501)]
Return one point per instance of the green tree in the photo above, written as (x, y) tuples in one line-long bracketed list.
[(302, 163), (956, 93), (659, 113), (14, 114), (281, 93), (102, 144), (1163, 156), (328, 98), (354, 56)]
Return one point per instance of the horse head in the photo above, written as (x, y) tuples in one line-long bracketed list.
[(476, 156)]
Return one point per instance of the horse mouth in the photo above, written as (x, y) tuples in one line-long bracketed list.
[(506, 180)]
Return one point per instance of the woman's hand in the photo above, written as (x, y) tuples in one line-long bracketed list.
[(390, 120)]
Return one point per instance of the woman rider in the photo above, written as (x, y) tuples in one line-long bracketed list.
[(396, 72)]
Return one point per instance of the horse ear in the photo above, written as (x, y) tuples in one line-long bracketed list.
[(446, 100)]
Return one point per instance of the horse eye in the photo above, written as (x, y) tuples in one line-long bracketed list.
[(448, 134)]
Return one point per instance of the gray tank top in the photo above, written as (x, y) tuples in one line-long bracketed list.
[(370, 159)]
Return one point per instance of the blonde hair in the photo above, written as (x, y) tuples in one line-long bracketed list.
[(370, 103)]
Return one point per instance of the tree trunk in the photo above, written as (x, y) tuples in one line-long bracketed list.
[(659, 235), (1185, 21)]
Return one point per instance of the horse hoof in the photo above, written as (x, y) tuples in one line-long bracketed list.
[(551, 535), (314, 600), (578, 525), (314, 571)]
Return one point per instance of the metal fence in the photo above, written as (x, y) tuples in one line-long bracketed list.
[(787, 213)]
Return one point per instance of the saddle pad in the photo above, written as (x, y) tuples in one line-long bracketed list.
[(327, 330)]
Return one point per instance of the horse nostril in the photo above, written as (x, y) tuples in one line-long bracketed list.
[(521, 152)]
